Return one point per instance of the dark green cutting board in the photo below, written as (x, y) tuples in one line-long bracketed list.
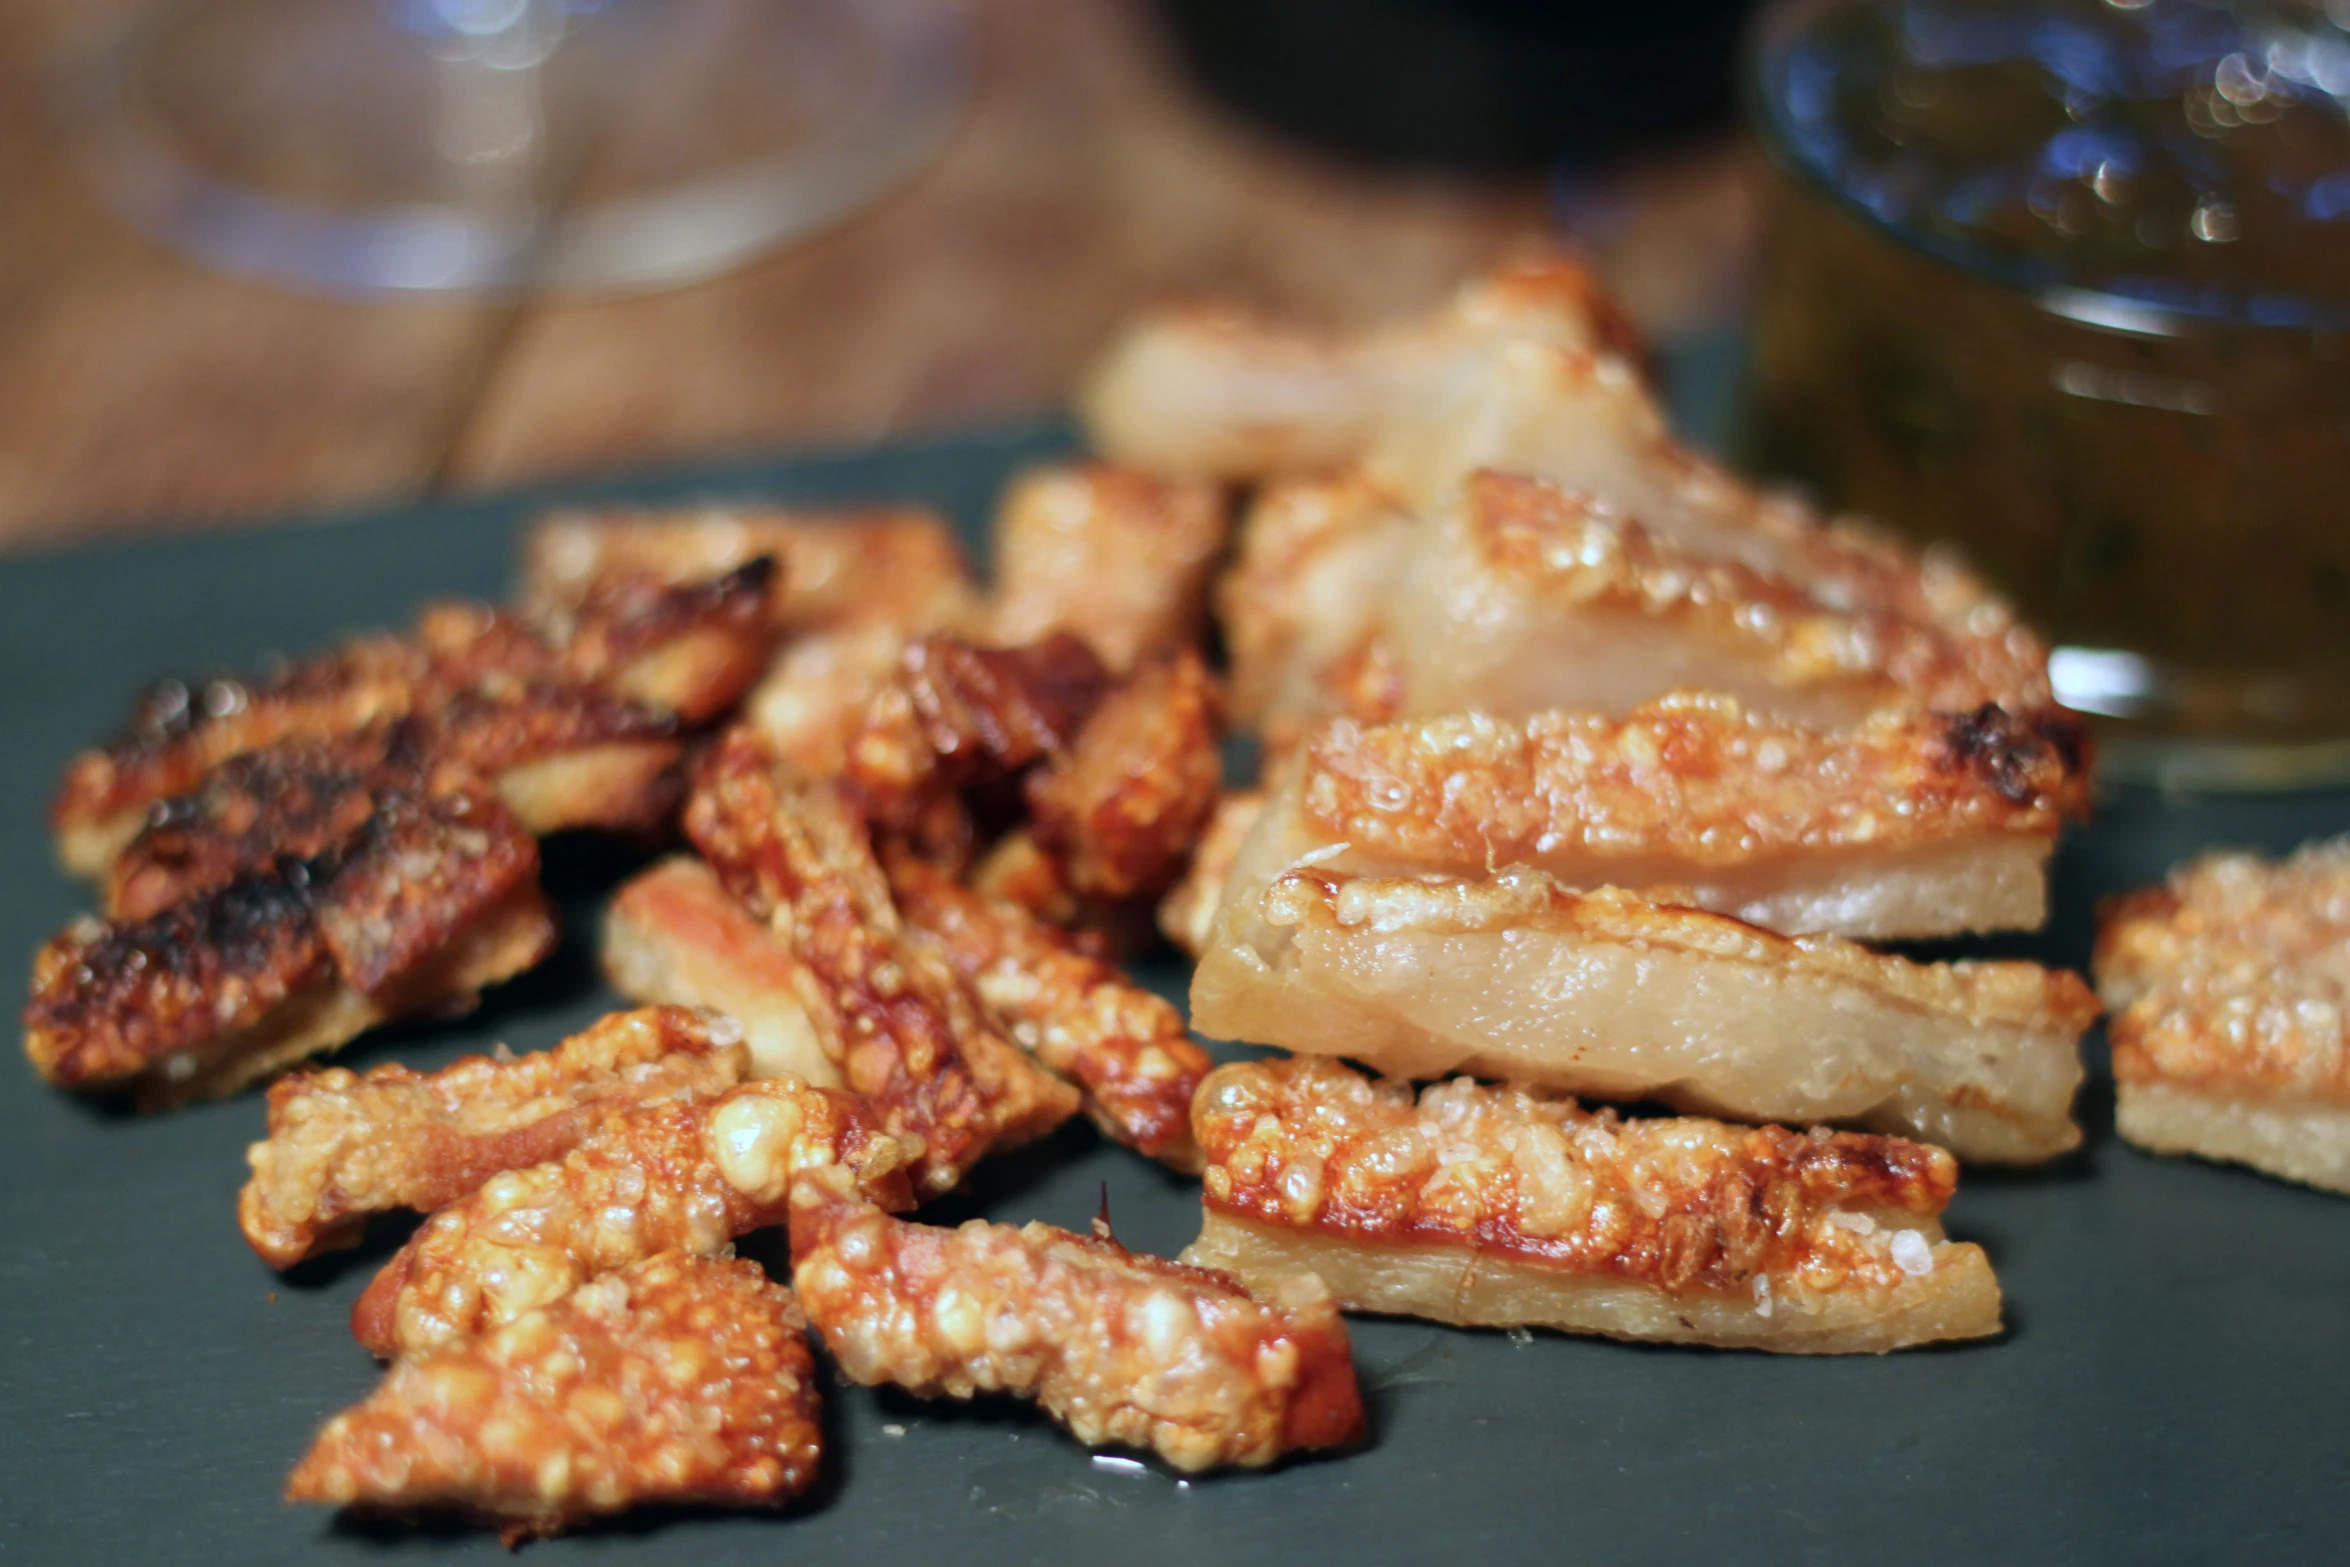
[(2174, 1385)]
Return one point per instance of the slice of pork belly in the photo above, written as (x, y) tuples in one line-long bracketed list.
[(1211, 391), (1905, 825), (342, 1146), (1494, 1207), (2231, 985), (1517, 594), (1607, 994), (1188, 913)]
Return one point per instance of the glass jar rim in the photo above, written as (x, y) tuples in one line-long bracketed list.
[(1781, 23)]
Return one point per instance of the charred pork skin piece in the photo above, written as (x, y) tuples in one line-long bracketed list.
[(674, 936), (343, 1146), (430, 898), (1073, 1011), (678, 1175), (1116, 557), (897, 566), (904, 1030), (1611, 995), (576, 720), (1214, 392), (683, 1380), (1120, 1348), (2230, 986), (1493, 1207), (1906, 825)]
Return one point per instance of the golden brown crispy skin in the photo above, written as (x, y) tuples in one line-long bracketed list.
[(906, 1032), (674, 936), (1906, 825), (613, 679), (682, 1174), (1188, 912), (895, 565), (682, 1379), (1610, 994), (1117, 557), (1213, 391), (1074, 1012), (813, 699), (1680, 1229), (958, 715), (1118, 1347), (1123, 805), (2231, 985), (430, 898), (342, 1146)]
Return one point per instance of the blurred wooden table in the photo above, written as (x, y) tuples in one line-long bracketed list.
[(140, 392)]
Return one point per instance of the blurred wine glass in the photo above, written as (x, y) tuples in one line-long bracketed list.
[(364, 146)]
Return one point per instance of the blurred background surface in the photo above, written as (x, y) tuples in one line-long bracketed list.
[(1342, 162)]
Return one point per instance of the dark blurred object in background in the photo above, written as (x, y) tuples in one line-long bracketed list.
[(1493, 84)]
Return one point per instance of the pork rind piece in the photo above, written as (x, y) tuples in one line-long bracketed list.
[(1905, 825), (957, 714), (1210, 391), (674, 936), (1516, 594), (1120, 1348), (343, 1146), (901, 1026), (2230, 985), (576, 720), (1117, 557), (892, 565), (432, 898), (1122, 806), (1493, 1207), (1610, 995), (681, 1379), (1187, 915), (680, 1175), (1073, 1011)]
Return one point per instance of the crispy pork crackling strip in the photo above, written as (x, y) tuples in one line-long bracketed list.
[(1607, 994), (576, 720), (898, 566), (1118, 1347), (2231, 986), (1188, 913), (343, 1146), (431, 899), (681, 1379), (1116, 557), (904, 1030), (682, 1174), (1074, 1012), (1123, 805), (674, 936), (1906, 825), (957, 714), (1210, 391), (1493, 1207)]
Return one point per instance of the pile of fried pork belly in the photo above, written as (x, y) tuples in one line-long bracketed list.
[(1592, 783)]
